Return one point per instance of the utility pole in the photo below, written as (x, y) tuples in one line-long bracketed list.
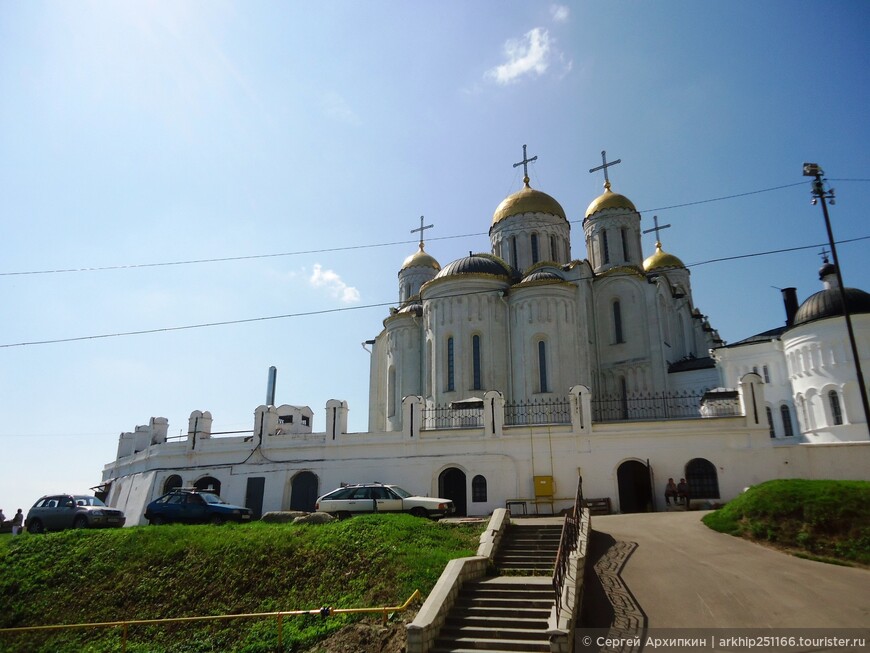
[(821, 195)]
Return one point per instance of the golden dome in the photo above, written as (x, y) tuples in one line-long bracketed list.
[(609, 200), (660, 260), (527, 200), (420, 259)]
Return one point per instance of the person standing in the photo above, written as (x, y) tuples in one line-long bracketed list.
[(17, 522), (2, 517)]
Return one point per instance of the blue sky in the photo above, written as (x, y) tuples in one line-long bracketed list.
[(162, 132)]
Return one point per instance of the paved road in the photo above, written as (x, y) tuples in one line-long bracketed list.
[(668, 570)]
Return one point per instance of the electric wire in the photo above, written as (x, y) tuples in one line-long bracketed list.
[(346, 248), (343, 309)]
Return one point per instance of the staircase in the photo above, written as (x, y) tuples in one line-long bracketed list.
[(529, 550), (507, 613)]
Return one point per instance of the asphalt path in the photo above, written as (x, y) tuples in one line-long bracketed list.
[(668, 570)]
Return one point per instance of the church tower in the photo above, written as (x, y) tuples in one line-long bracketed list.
[(530, 227)]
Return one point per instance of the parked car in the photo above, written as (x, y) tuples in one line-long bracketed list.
[(377, 497), (190, 506), (56, 512)]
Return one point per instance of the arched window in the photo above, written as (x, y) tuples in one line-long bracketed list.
[(624, 235), (208, 484), (478, 489), (514, 251), (623, 397), (702, 479), (391, 392), (770, 422), (475, 362), (605, 249), (535, 255), (171, 483), (836, 413), (617, 323), (450, 366), (787, 429), (543, 384)]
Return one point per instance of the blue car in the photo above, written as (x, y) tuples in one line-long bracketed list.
[(188, 506)]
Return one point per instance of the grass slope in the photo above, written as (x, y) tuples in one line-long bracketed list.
[(83, 576), (825, 520)]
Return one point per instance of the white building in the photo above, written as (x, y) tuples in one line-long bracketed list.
[(525, 362)]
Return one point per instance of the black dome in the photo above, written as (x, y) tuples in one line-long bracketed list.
[(828, 303), (478, 264)]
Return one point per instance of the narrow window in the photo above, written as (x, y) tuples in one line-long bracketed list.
[(836, 413), (542, 366), (766, 374), (625, 244), (391, 393), (475, 361), (605, 250), (770, 422), (514, 251), (535, 248), (787, 429), (478, 489), (553, 255), (623, 395), (450, 368), (617, 322)]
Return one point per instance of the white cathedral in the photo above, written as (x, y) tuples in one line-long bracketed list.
[(502, 377)]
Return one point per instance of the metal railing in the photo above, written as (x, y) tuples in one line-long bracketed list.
[(538, 411), (567, 545), (647, 406), (444, 416), (125, 625)]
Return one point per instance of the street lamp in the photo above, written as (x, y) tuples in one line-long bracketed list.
[(820, 194)]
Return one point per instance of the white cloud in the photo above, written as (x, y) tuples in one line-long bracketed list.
[(559, 13), (529, 55), (331, 281)]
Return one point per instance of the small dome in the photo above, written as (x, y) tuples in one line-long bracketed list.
[(661, 260), (527, 200), (416, 308), (486, 264), (609, 200), (542, 276), (420, 259), (828, 303)]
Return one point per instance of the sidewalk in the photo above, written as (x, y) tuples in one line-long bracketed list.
[(668, 570)]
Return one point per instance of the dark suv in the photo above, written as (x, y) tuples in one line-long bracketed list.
[(190, 506), (56, 512)]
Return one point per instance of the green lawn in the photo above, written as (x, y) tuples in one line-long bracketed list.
[(146, 572), (824, 520)]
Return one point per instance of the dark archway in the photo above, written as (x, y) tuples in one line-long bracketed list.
[(451, 485), (208, 484), (171, 483), (702, 478), (635, 494), (303, 491)]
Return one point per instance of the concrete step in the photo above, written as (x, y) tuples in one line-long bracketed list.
[(507, 591), (517, 603), (494, 632), (495, 622), (455, 645)]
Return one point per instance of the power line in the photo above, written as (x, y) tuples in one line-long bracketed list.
[(132, 266), (343, 309)]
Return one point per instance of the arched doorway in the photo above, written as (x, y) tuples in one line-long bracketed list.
[(635, 494), (451, 485), (208, 484), (303, 491), (171, 483)]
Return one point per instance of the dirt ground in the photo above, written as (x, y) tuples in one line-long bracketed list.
[(365, 637)]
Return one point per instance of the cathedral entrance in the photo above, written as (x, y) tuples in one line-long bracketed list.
[(451, 485), (303, 492), (635, 493)]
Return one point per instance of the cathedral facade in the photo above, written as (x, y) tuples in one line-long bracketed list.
[(501, 377)]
